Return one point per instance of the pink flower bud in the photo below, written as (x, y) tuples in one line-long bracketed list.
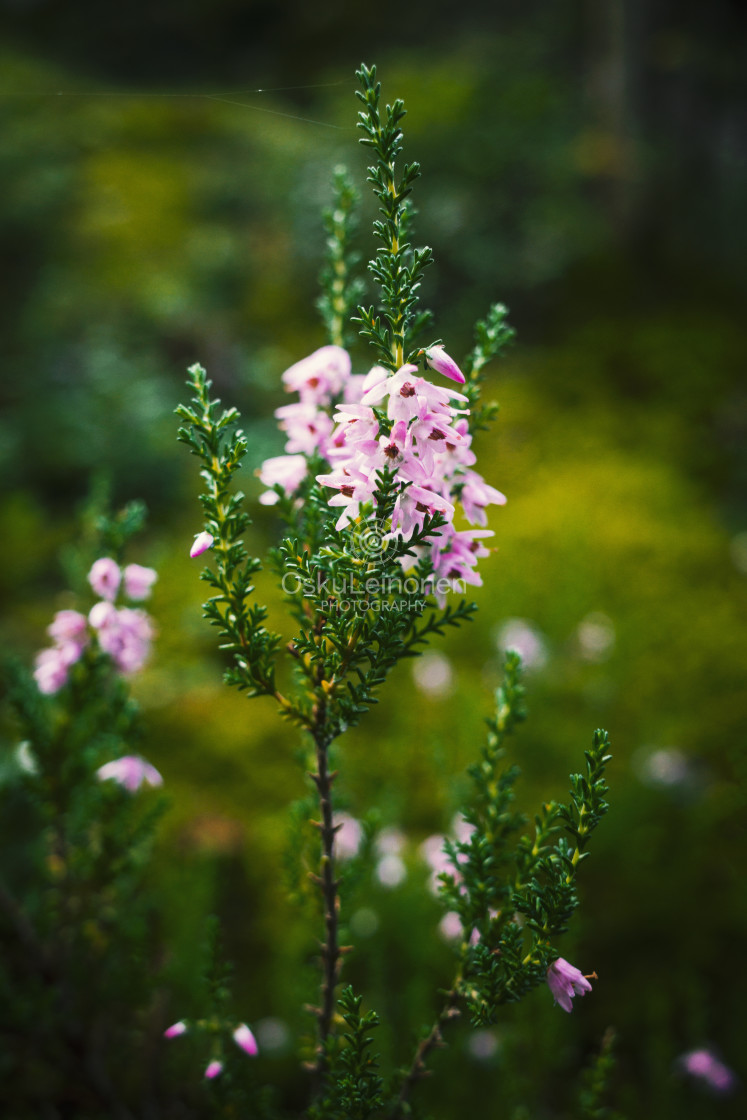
[(244, 1038), (104, 577), (138, 581), (202, 542), (443, 363), (214, 1069), (175, 1029)]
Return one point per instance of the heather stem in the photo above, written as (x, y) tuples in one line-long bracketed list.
[(328, 884), (433, 1041)]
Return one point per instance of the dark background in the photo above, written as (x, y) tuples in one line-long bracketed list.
[(163, 168)]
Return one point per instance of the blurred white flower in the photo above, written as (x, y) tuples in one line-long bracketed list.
[(272, 1034), (596, 636), (482, 1045), (390, 841), (433, 674), (666, 766), (391, 870), (450, 926), (519, 635)]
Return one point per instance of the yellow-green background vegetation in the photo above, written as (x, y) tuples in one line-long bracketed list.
[(582, 163)]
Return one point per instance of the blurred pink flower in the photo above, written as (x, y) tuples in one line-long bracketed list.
[(52, 666), (130, 772), (704, 1065), (244, 1038), (287, 471), (69, 626), (319, 377), (202, 542), (565, 982), (175, 1029), (138, 581), (214, 1069), (348, 836), (104, 577), (444, 364)]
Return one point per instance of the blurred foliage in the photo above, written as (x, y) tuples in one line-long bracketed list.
[(584, 164)]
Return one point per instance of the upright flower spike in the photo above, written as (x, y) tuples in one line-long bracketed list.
[(444, 364), (565, 982)]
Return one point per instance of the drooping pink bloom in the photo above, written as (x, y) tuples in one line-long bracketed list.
[(709, 1069), (244, 1038), (104, 577), (175, 1029), (130, 772), (319, 377), (476, 495), (287, 471), (439, 360), (214, 1069), (69, 626), (565, 982), (202, 542), (138, 581)]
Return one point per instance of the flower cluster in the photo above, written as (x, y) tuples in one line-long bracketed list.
[(403, 423), (124, 633)]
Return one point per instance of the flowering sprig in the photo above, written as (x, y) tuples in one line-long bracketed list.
[(212, 436), (513, 894)]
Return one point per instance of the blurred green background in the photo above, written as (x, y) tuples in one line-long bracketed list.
[(164, 167)]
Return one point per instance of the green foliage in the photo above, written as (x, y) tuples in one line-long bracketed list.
[(212, 438), (354, 1084), (517, 896), (397, 268)]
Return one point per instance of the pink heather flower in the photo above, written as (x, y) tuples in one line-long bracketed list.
[(437, 357), (244, 1038), (124, 634), (476, 495), (287, 471), (704, 1065), (408, 393), (308, 427), (450, 926), (348, 835), (104, 577), (52, 666), (138, 581), (175, 1029), (130, 772), (319, 377), (202, 542), (214, 1069), (565, 982), (68, 626)]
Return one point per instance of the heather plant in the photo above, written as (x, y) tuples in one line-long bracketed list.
[(373, 491)]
